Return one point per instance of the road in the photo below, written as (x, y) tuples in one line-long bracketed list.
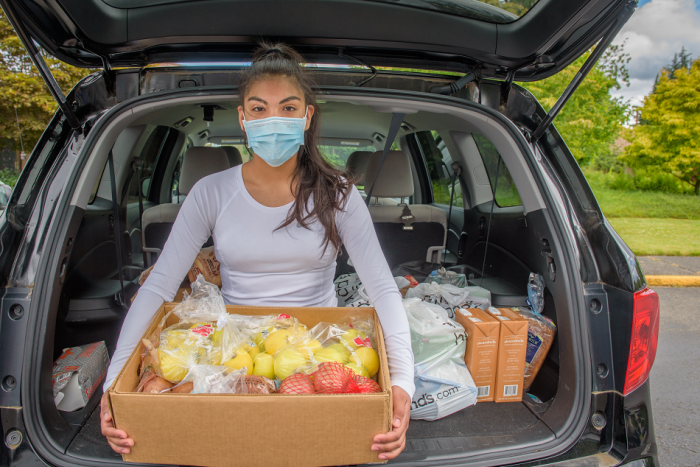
[(675, 378)]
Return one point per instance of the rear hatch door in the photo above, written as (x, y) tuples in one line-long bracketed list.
[(521, 39)]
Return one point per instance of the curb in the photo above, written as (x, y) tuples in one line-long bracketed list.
[(673, 281)]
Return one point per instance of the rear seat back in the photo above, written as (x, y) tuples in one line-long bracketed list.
[(402, 237), (157, 222)]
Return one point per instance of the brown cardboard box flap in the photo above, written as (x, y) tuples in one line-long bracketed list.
[(248, 429)]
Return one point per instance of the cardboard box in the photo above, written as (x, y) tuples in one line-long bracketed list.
[(512, 347), (481, 356), (253, 429)]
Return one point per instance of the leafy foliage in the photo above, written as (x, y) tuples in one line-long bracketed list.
[(668, 140), (591, 120), (9, 177), (22, 88), (681, 60)]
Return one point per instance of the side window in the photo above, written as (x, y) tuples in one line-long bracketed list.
[(506, 194), (149, 154), (439, 163)]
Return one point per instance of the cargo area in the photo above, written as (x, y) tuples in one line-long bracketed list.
[(496, 245)]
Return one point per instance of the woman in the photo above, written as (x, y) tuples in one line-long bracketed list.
[(278, 223)]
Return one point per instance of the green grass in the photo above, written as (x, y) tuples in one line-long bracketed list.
[(641, 204), (650, 222), (669, 237)]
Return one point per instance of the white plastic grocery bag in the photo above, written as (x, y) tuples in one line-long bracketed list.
[(346, 286), (443, 382), (450, 297)]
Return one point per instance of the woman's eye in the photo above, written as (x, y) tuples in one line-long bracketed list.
[(290, 108), (258, 109)]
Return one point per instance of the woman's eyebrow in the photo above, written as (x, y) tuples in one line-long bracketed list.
[(290, 98), (255, 98)]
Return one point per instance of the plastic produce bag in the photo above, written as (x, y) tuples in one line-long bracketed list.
[(442, 276), (349, 345), (209, 379), (205, 264), (443, 382), (535, 293), (540, 335), (450, 297)]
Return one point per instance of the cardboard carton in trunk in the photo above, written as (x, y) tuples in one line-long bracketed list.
[(481, 356), (512, 347), (253, 429)]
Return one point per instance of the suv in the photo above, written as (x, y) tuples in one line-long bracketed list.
[(77, 230)]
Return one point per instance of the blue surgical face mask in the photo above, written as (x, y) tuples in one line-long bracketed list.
[(275, 139)]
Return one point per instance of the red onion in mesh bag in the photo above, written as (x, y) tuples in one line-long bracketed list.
[(334, 378), (298, 383), (366, 385)]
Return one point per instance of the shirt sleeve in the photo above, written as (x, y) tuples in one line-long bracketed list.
[(356, 229), (191, 229)]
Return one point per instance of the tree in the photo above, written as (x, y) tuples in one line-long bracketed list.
[(23, 89), (681, 61), (668, 141), (591, 120)]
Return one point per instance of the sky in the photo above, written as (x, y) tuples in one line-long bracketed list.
[(657, 30)]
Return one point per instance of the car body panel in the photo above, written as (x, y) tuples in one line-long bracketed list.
[(96, 33), (591, 446)]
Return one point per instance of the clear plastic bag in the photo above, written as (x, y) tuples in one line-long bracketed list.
[(210, 379), (350, 345), (535, 292), (540, 336), (443, 277)]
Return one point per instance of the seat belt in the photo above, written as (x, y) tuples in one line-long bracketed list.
[(138, 164), (119, 297), (456, 172), (396, 120), (488, 229)]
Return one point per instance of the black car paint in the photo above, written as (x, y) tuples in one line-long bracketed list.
[(99, 34), (627, 419)]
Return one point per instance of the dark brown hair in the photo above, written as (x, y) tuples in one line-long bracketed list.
[(314, 175)]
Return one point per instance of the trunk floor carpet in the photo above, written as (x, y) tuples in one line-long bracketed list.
[(90, 443), (482, 419)]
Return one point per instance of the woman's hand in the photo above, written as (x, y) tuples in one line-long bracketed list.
[(394, 442), (117, 439)]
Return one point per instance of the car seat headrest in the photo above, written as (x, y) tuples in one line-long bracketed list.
[(198, 162), (356, 166), (233, 154), (395, 179)]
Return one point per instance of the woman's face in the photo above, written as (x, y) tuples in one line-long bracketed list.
[(274, 97)]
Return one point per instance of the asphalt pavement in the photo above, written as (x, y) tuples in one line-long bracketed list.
[(675, 377), (670, 265)]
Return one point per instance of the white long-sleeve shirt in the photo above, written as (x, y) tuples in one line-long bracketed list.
[(261, 266)]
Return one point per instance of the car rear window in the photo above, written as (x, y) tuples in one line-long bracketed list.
[(338, 155), (492, 11)]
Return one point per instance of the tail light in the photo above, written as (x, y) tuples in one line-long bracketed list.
[(645, 337)]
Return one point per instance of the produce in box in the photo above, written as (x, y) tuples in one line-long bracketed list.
[(211, 351)]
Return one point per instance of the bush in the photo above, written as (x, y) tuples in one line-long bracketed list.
[(659, 181), (9, 177), (620, 181)]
